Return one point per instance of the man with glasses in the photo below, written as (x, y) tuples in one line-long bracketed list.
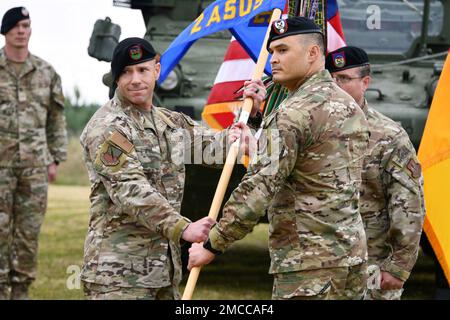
[(391, 200)]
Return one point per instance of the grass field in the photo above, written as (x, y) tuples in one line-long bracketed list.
[(241, 273), (73, 172)]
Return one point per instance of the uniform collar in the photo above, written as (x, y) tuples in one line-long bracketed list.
[(30, 64), (365, 108), (122, 104), (143, 118), (318, 77), (159, 123)]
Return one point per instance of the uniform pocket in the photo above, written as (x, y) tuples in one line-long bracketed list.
[(149, 157), (304, 284), (173, 178), (7, 114), (36, 149), (153, 272), (283, 229), (41, 95)]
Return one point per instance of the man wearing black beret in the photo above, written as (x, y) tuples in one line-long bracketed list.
[(391, 203), (33, 141), (132, 152), (317, 242)]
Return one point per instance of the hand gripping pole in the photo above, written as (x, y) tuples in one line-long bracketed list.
[(232, 155)]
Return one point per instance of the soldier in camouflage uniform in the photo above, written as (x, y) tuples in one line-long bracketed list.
[(132, 153), (391, 204), (32, 143), (317, 242)]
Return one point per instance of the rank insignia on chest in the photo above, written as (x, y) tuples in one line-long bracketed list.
[(111, 156)]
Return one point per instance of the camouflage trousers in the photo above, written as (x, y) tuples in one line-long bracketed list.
[(95, 291), (23, 201), (343, 283)]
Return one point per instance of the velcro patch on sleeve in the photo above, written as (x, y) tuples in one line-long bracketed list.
[(414, 168), (401, 157), (121, 141), (110, 156)]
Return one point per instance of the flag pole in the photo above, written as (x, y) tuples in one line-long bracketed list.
[(232, 155)]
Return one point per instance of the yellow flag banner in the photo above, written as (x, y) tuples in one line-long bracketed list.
[(434, 155)]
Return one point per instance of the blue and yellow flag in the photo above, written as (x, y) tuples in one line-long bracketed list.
[(220, 15), (434, 156)]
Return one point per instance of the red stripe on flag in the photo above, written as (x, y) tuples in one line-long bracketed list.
[(337, 25), (235, 51), (225, 119), (224, 91)]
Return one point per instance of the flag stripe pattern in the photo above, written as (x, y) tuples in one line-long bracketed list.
[(222, 104)]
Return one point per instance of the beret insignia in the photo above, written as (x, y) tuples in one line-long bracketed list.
[(136, 52), (25, 11), (339, 59), (280, 26)]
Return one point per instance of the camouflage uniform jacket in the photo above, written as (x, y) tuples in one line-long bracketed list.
[(312, 196), (32, 121), (137, 183), (392, 204)]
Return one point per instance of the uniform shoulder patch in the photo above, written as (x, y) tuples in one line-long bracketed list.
[(110, 155), (121, 142), (414, 168), (401, 156)]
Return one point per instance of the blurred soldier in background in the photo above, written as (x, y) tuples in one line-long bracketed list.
[(33, 141), (391, 203)]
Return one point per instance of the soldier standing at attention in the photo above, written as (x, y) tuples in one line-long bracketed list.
[(132, 249), (33, 141), (391, 200), (317, 242)]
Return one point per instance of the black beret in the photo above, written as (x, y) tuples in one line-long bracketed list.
[(128, 52), (346, 58), (12, 16), (287, 27)]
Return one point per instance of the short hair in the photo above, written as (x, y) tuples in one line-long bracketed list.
[(317, 38), (364, 70)]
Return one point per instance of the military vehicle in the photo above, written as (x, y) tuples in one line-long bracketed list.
[(406, 50), (407, 42)]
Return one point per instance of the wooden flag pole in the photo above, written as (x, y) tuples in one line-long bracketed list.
[(232, 155)]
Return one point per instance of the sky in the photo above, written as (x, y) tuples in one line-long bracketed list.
[(61, 30)]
